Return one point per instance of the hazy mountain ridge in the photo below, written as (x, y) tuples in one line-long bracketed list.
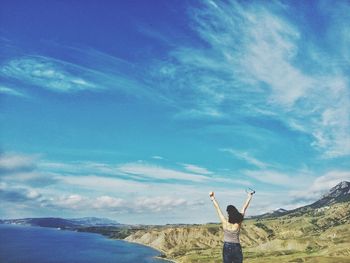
[(63, 223), (94, 221), (275, 213)]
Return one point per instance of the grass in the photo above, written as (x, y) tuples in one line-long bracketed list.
[(316, 236)]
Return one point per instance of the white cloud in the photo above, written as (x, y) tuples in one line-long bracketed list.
[(47, 73), (158, 204), (73, 201), (273, 177), (10, 91), (95, 71), (14, 161), (202, 113), (245, 156), (105, 202), (157, 157), (144, 202), (32, 194), (270, 45), (143, 188), (84, 203), (158, 172), (22, 169), (17, 193), (136, 171), (196, 169), (79, 167)]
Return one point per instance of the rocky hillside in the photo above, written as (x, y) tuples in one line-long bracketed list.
[(339, 193), (316, 233)]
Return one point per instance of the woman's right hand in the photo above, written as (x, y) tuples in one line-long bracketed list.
[(211, 195)]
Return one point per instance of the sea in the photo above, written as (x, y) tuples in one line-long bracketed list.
[(27, 244)]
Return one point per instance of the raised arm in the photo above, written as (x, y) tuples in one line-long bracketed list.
[(217, 207), (247, 202)]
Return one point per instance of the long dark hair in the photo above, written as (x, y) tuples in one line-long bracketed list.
[(234, 217)]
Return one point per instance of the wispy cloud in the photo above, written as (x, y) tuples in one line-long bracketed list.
[(110, 189), (83, 187), (49, 73), (200, 113), (84, 69), (17, 194), (142, 203), (141, 172), (11, 91), (157, 157), (104, 203), (20, 169), (196, 169), (253, 64), (14, 162), (160, 204), (158, 172), (245, 156), (283, 180)]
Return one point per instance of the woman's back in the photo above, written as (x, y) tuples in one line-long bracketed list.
[(231, 232)]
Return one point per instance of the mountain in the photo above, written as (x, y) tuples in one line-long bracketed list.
[(276, 213), (62, 222), (43, 222), (337, 194), (94, 221)]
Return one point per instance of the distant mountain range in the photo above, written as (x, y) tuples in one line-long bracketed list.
[(338, 194), (94, 221), (63, 223)]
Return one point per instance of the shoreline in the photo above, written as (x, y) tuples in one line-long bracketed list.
[(159, 257)]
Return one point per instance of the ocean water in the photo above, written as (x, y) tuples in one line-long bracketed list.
[(23, 244)]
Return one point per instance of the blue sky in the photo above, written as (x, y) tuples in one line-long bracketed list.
[(135, 110)]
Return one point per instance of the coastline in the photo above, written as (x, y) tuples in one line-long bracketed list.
[(159, 257), (139, 243)]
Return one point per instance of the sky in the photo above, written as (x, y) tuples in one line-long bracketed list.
[(135, 110)]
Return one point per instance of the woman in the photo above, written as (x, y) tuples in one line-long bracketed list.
[(232, 251)]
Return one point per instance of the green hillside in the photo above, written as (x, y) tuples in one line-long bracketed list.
[(319, 235)]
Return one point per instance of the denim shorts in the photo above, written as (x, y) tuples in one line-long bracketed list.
[(232, 253)]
